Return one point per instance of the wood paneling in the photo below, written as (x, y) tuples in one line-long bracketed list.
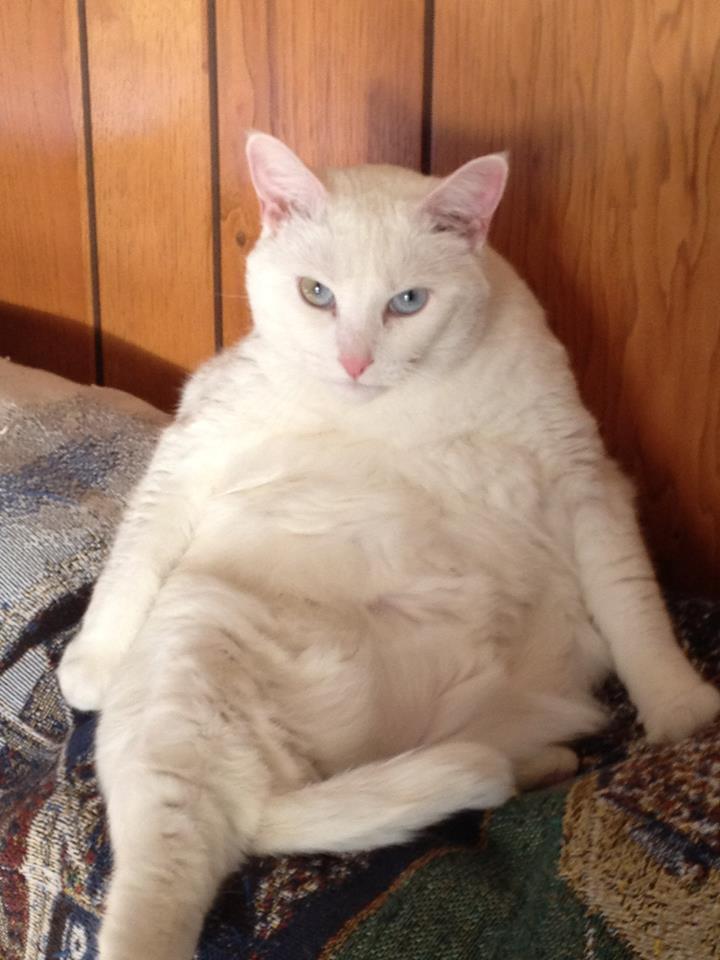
[(611, 112), (44, 275), (340, 83), (151, 146)]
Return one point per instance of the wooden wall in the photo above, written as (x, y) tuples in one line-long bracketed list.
[(126, 212), (611, 113), (45, 288)]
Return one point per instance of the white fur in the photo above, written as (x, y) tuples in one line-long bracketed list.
[(336, 611)]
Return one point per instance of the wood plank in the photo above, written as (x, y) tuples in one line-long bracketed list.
[(45, 298), (611, 112), (150, 122), (340, 83)]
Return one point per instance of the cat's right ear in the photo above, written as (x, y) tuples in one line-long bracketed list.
[(282, 182)]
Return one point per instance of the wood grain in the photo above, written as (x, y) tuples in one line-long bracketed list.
[(150, 123), (611, 112), (340, 83), (44, 274)]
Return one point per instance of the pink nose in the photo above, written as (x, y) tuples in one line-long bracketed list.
[(355, 366)]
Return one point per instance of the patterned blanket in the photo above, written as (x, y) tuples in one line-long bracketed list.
[(624, 862)]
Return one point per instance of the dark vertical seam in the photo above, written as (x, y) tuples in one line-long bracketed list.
[(90, 189), (426, 129), (214, 117), (272, 55)]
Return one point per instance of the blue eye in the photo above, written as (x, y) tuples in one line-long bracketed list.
[(316, 293), (409, 301)]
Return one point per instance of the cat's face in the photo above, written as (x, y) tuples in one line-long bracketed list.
[(372, 275)]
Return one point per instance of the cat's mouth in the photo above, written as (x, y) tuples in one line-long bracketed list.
[(360, 392)]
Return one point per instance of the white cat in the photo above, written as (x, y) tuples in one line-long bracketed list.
[(376, 565)]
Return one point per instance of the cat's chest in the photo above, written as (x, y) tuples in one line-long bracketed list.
[(347, 522), (368, 493)]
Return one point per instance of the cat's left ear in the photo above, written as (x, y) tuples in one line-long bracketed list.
[(466, 200), (282, 181)]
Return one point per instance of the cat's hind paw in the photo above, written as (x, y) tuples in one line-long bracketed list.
[(84, 677), (682, 715), (550, 765)]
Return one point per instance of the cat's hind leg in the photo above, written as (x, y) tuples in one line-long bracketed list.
[(183, 781), (384, 802), (175, 837), (169, 860)]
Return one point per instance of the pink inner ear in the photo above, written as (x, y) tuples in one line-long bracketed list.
[(282, 182), (466, 200)]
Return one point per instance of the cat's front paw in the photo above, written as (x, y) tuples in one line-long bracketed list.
[(682, 715), (84, 675)]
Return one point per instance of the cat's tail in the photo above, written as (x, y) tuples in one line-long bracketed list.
[(384, 802)]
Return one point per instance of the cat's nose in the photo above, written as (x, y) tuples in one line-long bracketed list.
[(355, 365)]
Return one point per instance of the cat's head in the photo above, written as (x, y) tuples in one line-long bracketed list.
[(371, 274)]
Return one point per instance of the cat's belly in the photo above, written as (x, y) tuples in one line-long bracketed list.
[(343, 685), (399, 597)]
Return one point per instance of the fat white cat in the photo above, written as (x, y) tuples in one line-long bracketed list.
[(377, 563)]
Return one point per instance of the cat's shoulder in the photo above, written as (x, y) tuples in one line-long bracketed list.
[(223, 382)]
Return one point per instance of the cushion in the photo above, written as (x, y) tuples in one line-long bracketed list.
[(622, 862)]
